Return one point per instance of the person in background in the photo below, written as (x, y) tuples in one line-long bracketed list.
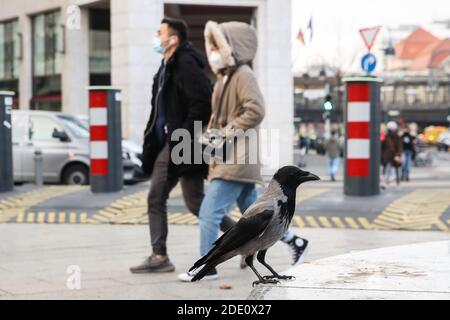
[(409, 142), (392, 150), (333, 150)]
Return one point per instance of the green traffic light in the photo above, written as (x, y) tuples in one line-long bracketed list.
[(328, 106)]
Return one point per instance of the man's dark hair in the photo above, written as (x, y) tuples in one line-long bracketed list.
[(178, 26)]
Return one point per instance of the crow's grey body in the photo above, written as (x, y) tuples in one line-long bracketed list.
[(273, 200), (270, 202), (261, 226)]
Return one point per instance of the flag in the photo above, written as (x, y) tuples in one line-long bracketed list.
[(301, 37), (311, 29)]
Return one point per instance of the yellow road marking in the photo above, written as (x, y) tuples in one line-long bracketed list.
[(73, 218), (101, 218), (21, 203), (312, 222), (385, 225), (186, 218), (173, 217), (299, 221), (41, 217), (61, 217), (83, 217), (30, 217), (107, 214), (324, 221), (338, 222), (365, 223), (418, 210), (51, 218), (351, 222), (391, 220), (20, 217)]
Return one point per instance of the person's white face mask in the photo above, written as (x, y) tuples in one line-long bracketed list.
[(216, 61), (160, 46)]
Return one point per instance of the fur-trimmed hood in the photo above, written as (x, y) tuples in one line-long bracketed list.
[(237, 42)]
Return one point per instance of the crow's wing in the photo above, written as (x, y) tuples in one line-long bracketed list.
[(245, 230)]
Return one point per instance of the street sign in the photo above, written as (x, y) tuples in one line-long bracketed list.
[(369, 63), (369, 36)]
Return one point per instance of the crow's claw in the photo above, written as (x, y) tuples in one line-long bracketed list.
[(289, 278), (266, 281)]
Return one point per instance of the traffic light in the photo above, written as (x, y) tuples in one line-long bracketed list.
[(328, 104)]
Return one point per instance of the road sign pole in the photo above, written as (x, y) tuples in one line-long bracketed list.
[(106, 140), (6, 151), (363, 145)]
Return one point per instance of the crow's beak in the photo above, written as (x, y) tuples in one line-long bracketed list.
[(311, 177)]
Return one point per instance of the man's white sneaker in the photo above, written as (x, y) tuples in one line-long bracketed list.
[(188, 276)]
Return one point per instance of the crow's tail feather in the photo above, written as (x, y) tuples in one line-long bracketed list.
[(203, 260), (199, 276)]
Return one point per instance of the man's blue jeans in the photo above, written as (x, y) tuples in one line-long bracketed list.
[(333, 166), (407, 155), (220, 198)]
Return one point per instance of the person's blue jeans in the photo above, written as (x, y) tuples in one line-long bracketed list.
[(407, 154), (333, 166), (220, 199)]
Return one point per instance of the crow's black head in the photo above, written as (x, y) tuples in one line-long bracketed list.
[(292, 177)]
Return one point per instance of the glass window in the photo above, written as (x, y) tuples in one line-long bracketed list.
[(75, 127), (9, 57), (47, 61), (42, 128), (100, 47)]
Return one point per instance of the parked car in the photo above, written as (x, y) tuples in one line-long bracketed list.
[(64, 142), (444, 141)]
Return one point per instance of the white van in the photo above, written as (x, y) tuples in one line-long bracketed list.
[(64, 142)]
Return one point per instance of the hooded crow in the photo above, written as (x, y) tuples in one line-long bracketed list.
[(261, 226)]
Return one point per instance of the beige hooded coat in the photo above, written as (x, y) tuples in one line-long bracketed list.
[(241, 101)]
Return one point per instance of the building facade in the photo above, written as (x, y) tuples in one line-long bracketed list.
[(51, 50)]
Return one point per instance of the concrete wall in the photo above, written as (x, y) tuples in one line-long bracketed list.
[(133, 24)]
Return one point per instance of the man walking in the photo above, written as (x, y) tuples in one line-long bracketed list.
[(333, 150), (408, 141), (181, 95)]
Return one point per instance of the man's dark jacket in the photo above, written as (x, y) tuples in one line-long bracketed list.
[(187, 98)]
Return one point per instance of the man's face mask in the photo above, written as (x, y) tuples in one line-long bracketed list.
[(216, 61), (160, 46)]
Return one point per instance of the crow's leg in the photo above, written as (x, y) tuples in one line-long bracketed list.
[(249, 261), (262, 259)]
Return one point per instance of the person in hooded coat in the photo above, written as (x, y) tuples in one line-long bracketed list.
[(238, 109), (392, 150)]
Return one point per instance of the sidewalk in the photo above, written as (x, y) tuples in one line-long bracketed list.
[(410, 272), (35, 258)]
